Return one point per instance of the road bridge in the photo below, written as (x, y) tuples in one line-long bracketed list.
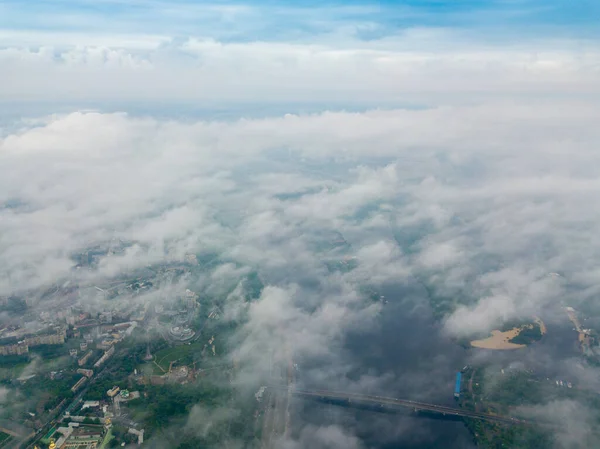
[(382, 401)]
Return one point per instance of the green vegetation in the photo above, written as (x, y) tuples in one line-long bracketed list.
[(512, 324), (502, 392), (46, 438), (161, 405), (14, 305), (514, 388), (129, 357), (47, 358), (13, 363), (4, 439), (184, 355), (221, 414), (48, 351), (528, 334), (118, 435), (51, 391), (496, 436), (108, 438), (494, 392), (253, 286)]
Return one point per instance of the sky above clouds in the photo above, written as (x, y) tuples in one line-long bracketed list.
[(452, 143), (341, 53)]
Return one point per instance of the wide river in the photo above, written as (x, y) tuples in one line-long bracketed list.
[(405, 355)]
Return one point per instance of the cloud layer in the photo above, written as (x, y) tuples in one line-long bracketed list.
[(499, 195), (478, 202)]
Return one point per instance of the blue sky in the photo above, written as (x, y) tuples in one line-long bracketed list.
[(297, 20), (351, 52)]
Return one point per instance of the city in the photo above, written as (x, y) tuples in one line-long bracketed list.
[(139, 333)]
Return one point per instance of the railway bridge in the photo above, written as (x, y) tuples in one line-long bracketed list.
[(382, 401)]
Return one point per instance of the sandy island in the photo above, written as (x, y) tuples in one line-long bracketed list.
[(501, 340), (542, 325)]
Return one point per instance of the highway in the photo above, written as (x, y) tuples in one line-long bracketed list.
[(383, 401)]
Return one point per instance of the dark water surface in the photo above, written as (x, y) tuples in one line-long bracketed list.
[(404, 356)]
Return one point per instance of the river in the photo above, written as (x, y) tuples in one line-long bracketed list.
[(405, 355)]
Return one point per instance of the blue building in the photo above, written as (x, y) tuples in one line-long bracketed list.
[(457, 385)]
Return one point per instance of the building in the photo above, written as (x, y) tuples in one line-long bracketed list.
[(138, 433), (56, 338), (90, 404), (73, 352), (86, 372), (105, 357), (190, 294), (104, 344), (16, 349), (78, 384), (113, 391), (183, 333), (87, 437), (83, 360), (191, 299), (457, 385), (83, 346)]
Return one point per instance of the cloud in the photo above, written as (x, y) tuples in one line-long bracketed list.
[(476, 179), (574, 421), (91, 176), (406, 68), (482, 208)]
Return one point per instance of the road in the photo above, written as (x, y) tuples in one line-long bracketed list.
[(28, 444), (395, 402)]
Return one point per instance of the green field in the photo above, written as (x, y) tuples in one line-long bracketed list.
[(8, 373), (46, 438), (109, 436), (184, 354), (5, 438)]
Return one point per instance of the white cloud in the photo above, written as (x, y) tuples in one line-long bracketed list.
[(404, 68), (502, 192), (480, 193)]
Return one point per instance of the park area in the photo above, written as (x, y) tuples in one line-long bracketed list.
[(184, 354), (5, 439)]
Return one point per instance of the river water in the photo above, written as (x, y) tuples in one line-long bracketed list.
[(407, 355), (404, 356)]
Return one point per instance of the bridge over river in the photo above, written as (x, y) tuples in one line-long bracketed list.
[(381, 401)]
